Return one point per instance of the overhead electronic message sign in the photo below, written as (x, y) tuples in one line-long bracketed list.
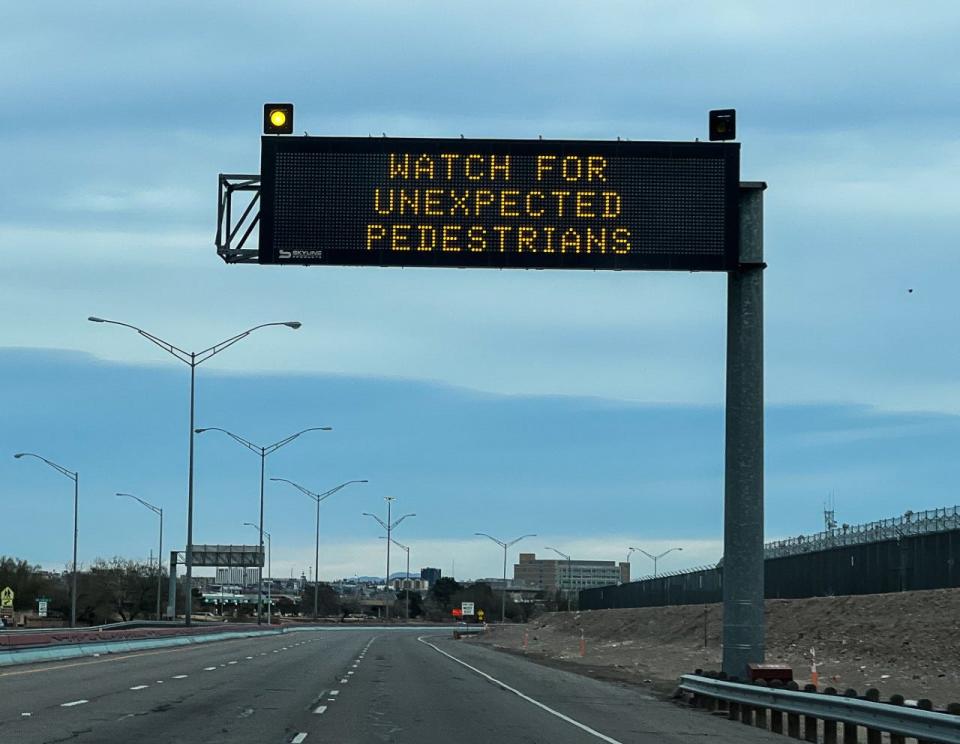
[(536, 204)]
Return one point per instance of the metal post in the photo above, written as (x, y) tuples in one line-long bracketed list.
[(269, 574), (389, 530), (160, 566), (743, 620), (263, 462), (316, 566), (172, 587), (503, 594), (76, 512), (188, 558), (407, 594)]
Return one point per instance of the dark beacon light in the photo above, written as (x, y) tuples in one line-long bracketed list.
[(723, 125), (278, 118)]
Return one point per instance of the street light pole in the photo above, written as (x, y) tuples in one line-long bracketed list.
[(269, 570), (569, 573), (75, 477), (654, 558), (158, 511), (407, 588), (318, 497), (505, 546), (262, 452), (389, 526), (193, 359)]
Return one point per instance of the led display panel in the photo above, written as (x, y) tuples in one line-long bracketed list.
[(536, 204)]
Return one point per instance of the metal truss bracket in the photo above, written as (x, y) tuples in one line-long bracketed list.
[(229, 247)]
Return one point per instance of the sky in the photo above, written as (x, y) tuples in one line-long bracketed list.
[(584, 407)]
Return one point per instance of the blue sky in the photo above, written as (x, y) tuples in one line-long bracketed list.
[(585, 407)]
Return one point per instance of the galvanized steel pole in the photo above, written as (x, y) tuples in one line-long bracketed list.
[(743, 618)]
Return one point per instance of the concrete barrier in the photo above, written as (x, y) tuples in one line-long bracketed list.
[(64, 651)]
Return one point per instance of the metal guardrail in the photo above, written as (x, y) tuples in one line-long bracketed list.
[(924, 725)]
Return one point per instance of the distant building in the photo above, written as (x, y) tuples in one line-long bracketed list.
[(568, 576), (414, 585), (430, 575), (238, 575)]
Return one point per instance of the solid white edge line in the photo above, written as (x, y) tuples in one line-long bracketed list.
[(321, 709), (298, 739), (551, 711)]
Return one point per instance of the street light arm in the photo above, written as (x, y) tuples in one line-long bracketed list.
[(394, 525), (498, 542), (183, 356), (246, 443), (651, 557), (562, 555), (514, 542), (151, 507), (327, 494), (382, 523), (308, 492), (399, 545), (318, 496), (271, 448), (257, 527), (204, 355), (59, 468)]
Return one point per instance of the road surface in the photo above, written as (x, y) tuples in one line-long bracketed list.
[(353, 686)]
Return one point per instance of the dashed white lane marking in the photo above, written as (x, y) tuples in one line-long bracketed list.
[(180, 676), (508, 688), (159, 681), (72, 703), (334, 693), (25, 715), (356, 665), (321, 709), (139, 687), (298, 739), (344, 681), (210, 669), (231, 662), (248, 657)]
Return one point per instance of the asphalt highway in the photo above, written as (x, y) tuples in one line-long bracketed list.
[(345, 686)]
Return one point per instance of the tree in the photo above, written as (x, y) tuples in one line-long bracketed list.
[(328, 603), (443, 590), (117, 590), (416, 603)]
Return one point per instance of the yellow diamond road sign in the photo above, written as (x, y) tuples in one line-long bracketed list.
[(6, 597)]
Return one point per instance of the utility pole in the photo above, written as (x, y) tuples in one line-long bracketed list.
[(193, 359), (389, 526), (263, 452), (317, 497), (75, 477), (505, 546)]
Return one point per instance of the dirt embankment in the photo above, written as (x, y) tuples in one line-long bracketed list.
[(907, 643)]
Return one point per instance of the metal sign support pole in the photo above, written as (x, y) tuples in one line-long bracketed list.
[(743, 618), (172, 591)]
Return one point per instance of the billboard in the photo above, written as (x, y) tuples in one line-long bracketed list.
[(536, 204)]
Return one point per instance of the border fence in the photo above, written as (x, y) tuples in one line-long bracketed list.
[(920, 550)]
